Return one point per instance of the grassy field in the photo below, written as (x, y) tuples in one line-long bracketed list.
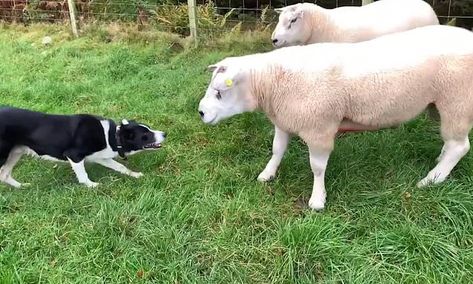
[(199, 215)]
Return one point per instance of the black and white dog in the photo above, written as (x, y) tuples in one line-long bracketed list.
[(74, 138)]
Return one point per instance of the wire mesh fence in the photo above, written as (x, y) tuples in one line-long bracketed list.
[(172, 15)]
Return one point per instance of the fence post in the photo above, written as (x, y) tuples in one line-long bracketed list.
[(366, 2), (192, 20), (72, 16)]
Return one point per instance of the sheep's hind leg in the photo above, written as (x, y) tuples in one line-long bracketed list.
[(318, 164), (452, 152), (280, 141), (320, 141)]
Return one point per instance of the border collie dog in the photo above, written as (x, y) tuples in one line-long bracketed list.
[(72, 138)]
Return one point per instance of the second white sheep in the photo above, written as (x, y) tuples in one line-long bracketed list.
[(306, 23)]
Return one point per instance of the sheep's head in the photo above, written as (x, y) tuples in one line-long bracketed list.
[(227, 94), (291, 28)]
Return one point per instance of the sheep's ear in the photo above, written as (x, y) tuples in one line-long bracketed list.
[(220, 69), (228, 80), (298, 13), (211, 68), (294, 7), (279, 10)]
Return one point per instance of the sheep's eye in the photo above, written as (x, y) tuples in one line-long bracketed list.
[(219, 96), (291, 22)]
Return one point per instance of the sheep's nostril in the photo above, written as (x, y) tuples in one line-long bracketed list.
[(201, 113), (275, 40)]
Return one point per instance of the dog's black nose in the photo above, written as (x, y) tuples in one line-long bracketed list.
[(275, 40), (164, 134), (201, 113)]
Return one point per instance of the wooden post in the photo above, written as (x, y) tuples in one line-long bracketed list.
[(72, 15), (366, 2), (192, 19)]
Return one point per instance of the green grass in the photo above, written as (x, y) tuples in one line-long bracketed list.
[(199, 215)]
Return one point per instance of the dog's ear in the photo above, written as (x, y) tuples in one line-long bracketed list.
[(129, 135), (126, 130), (126, 133), (125, 123)]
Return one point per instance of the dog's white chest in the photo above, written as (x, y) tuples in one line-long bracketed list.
[(106, 153)]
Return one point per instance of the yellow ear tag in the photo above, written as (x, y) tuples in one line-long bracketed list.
[(229, 82)]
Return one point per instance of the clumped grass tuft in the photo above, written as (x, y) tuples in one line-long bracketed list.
[(199, 215)]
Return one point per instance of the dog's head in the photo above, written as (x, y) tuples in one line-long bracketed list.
[(135, 137)]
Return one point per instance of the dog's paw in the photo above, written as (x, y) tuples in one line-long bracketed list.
[(136, 175), (92, 184), (12, 182), (25, 184)]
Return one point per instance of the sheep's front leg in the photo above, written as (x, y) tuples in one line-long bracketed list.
[(318, 164), (280, 141)]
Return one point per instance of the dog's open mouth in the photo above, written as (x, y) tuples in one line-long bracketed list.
[(155, 145)]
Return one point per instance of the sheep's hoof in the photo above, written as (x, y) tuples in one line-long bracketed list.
[(264, 177), (431, 179), (136, 175), (317, 204), (425, 182)]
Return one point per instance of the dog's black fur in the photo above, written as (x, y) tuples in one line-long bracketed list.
[(73, 137), (58, 136)]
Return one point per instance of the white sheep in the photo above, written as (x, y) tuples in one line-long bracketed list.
[(312, 90), (306, 23)]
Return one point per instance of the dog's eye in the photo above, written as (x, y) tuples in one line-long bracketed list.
[(144, 138), (219, 96)]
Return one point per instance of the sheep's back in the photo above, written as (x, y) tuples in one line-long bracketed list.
[(355, 24)]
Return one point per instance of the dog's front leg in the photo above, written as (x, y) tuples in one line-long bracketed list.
[(116, 166), (79, 170)]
